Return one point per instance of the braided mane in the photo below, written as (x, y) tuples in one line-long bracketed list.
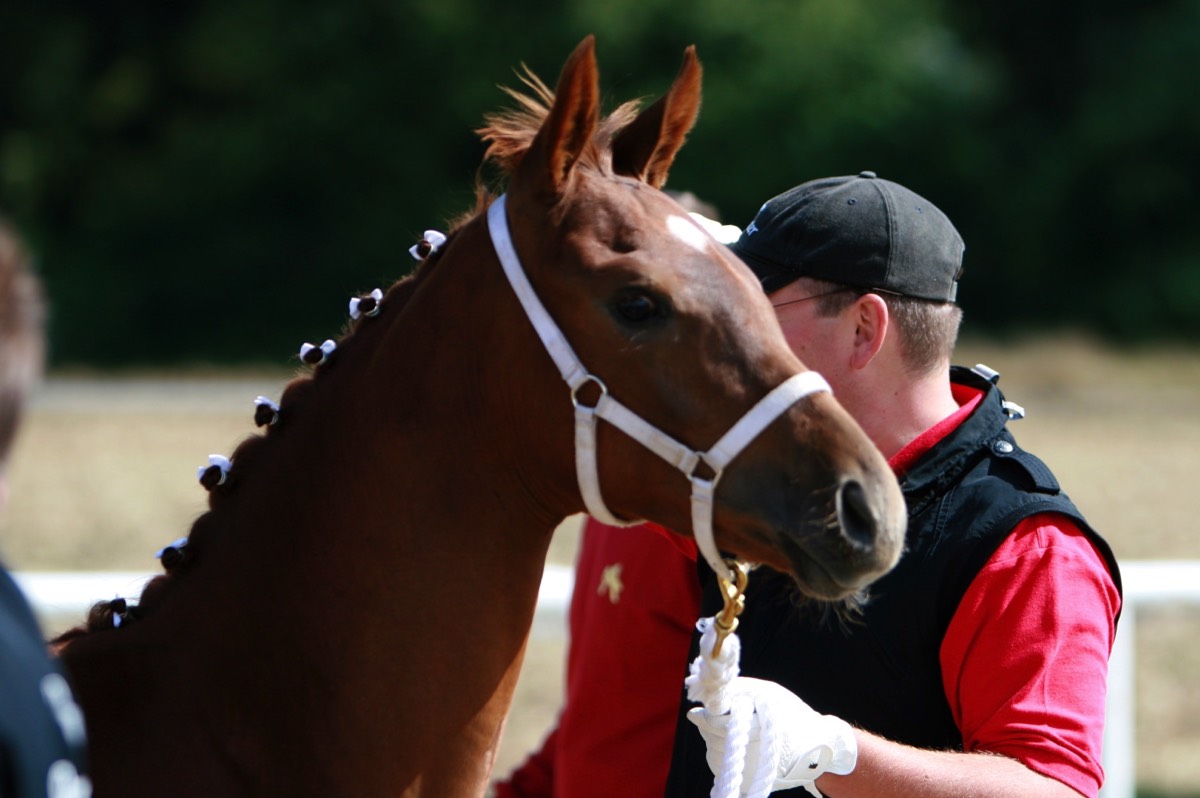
[(509, 134), (221, 500)]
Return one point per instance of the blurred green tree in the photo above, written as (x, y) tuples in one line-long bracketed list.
[(1082, 191), (208, 181)]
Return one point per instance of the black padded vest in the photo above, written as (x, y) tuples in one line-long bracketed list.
[(883, 673)]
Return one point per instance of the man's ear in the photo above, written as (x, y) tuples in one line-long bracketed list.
[(871, 329)]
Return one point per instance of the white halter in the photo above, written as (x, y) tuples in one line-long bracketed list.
[(654, 439)]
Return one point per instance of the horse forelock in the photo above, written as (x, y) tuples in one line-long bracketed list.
[(509, 133)]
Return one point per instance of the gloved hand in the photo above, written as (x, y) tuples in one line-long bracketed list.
[(808, 744)]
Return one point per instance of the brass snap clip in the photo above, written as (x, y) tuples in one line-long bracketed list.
[(734, 595)]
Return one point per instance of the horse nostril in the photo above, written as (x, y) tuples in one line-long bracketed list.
[(857, 521)]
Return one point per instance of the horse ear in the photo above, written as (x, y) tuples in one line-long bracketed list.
[(647, 147), (570, 124)]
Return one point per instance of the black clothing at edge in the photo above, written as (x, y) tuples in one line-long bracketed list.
[(42, 737)]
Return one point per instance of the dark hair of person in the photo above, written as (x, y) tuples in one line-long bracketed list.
[(22, 342), (927, 330)]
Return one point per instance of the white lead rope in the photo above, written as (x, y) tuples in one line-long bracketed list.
[(666, 447), (710, 677)]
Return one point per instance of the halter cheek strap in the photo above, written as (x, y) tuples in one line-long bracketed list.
[(677, 454)]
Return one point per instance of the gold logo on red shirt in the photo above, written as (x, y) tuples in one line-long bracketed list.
[(610, 582)]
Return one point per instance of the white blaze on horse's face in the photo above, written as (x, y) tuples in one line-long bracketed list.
[(689, 233)]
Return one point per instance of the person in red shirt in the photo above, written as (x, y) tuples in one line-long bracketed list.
[(633, 609), (979, 665)]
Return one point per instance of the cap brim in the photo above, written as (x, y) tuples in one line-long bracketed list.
[(771, 274)]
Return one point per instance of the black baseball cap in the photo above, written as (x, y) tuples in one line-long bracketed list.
[(861, 231)]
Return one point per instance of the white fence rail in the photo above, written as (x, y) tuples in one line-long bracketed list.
[(1147, 582)]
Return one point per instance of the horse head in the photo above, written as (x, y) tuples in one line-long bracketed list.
[(673, 326)]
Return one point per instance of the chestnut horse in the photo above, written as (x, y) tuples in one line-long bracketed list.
[(350, 615)]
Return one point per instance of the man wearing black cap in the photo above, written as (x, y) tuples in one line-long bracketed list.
[(978, 666)]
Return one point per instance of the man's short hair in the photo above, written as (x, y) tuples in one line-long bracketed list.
[(926, 331)]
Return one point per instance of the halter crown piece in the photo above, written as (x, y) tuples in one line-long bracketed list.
[(686, 460)]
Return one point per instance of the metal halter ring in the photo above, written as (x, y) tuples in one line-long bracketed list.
[(575, 392)]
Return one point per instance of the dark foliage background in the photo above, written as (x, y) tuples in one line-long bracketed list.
[(207, 181)]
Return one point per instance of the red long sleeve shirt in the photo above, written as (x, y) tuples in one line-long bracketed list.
[(635, 605)]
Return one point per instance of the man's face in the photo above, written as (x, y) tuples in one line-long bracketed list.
[(819, 341)]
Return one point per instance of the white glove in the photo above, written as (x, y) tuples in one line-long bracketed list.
[(807, 744)]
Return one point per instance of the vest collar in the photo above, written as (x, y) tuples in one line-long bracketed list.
[(945, 462)]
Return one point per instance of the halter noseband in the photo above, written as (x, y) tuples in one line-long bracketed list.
[(686, 460)]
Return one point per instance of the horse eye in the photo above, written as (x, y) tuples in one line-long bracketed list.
[(637, 307)]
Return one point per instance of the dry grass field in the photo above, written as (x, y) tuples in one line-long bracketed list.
[(104, 475)]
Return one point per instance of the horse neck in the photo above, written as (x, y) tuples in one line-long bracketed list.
[(414, 481), (388, 543)]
